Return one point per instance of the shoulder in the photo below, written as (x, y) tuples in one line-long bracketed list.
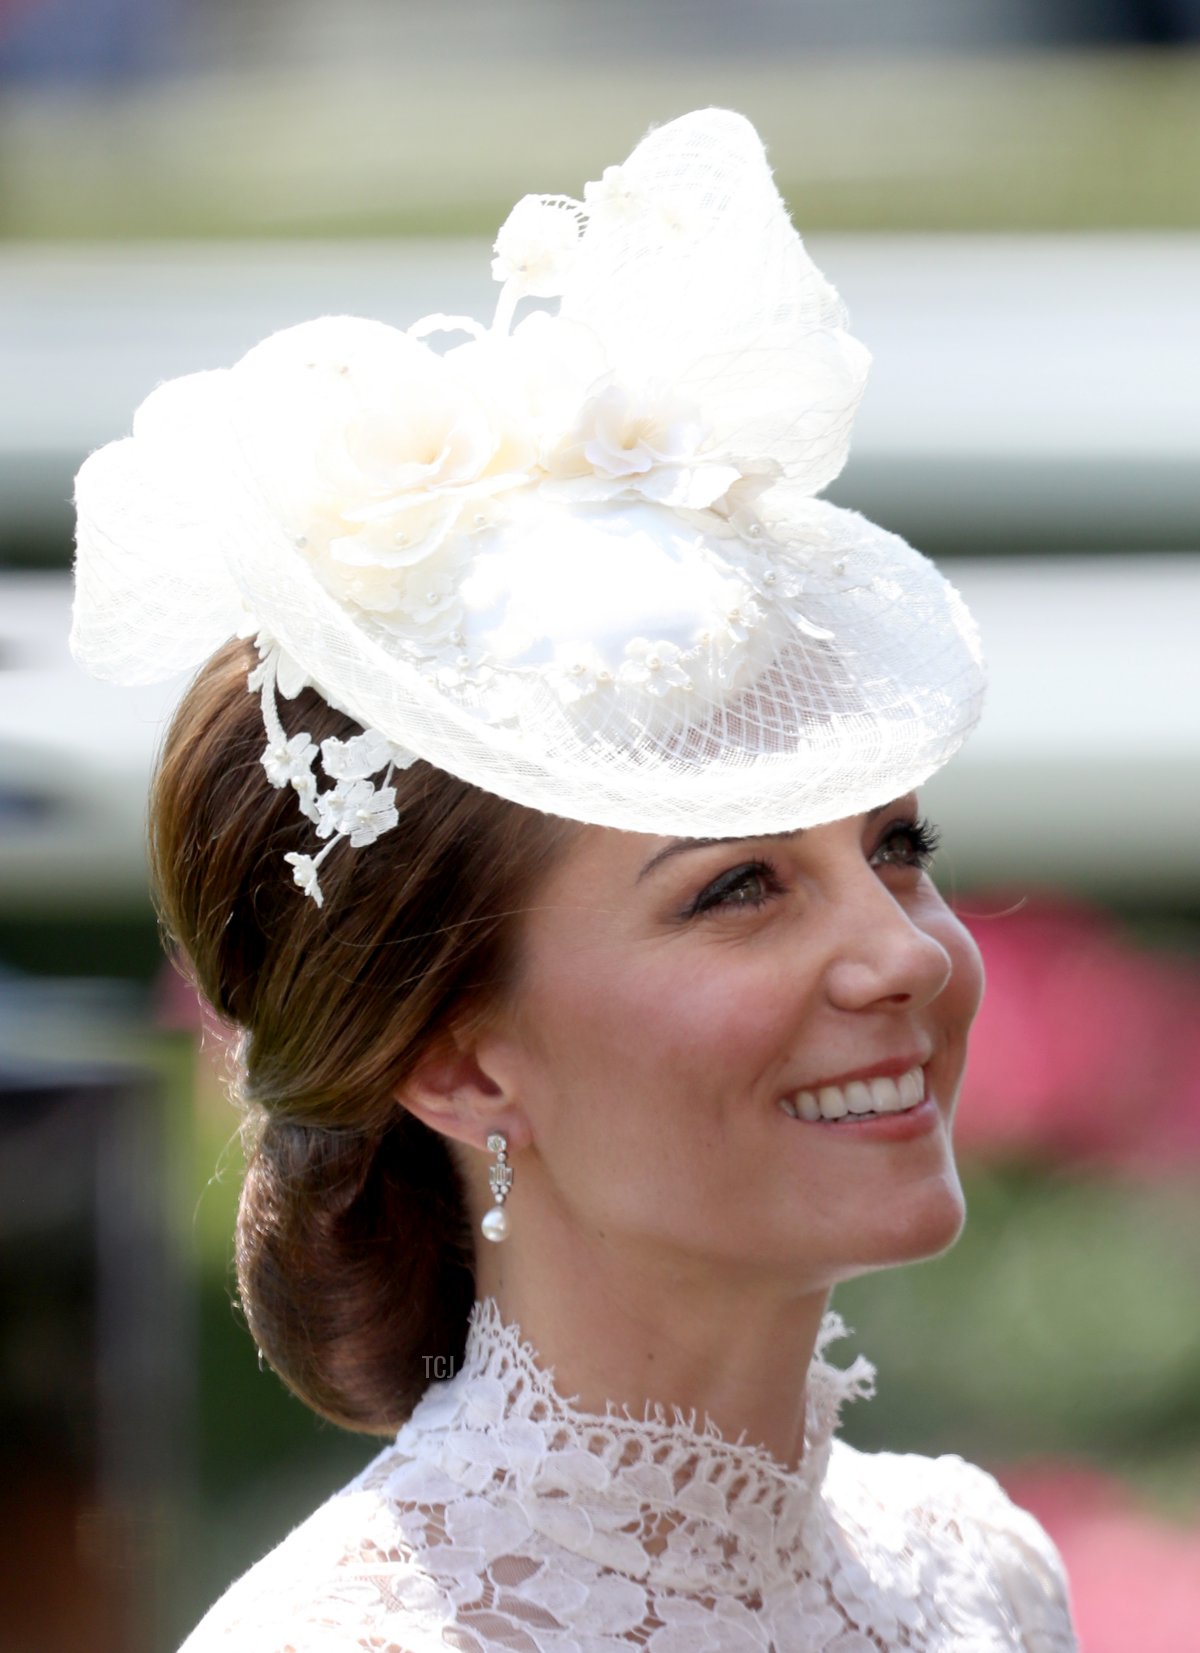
[(953, 1507), (348, 1572)]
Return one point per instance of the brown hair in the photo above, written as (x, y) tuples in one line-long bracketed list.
[(354, 1260)]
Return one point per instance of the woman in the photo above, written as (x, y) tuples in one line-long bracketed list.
[(614, 1018)]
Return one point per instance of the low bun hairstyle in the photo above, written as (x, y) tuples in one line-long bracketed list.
[(354, 1258)]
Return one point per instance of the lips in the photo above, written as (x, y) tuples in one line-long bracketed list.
[(859, 1098)]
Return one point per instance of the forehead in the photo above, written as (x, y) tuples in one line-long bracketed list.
[(598, 856), (604, 858)]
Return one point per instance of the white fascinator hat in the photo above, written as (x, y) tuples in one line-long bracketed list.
[(578, 560)]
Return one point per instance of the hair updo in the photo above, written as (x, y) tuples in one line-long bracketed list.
[(354, 1257)]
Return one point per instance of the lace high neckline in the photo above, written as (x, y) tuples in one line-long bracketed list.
[(505, 1518), (664, 1498)]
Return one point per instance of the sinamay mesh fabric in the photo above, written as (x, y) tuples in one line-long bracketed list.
[(576, 561), (502, 1517)]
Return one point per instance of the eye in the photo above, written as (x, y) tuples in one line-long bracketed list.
[(749, 886), (908, 844)]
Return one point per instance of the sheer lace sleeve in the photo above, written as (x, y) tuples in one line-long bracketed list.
[(996, 1564), (313, 1594), (1028, 1568)]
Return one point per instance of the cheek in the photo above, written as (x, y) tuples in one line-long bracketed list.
[(674, 1026), (711, 1007), (963, 994), (639, 1074)]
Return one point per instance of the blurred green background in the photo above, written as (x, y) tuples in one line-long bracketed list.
[(1007, 195)]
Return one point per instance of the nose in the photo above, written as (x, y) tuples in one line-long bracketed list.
[(880, 956)]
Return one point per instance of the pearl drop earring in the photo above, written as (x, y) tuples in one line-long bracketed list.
[(500, 1176)]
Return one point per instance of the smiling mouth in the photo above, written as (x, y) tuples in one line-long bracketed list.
[(860, 1098)]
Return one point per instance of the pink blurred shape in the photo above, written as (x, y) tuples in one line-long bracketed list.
[(1087, 1046)]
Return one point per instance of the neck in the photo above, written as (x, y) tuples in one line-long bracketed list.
[(673, 1332)]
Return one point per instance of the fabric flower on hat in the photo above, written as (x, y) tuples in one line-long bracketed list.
[(275, 663), (537, 378), (358, 811), (420, 603), (649, 444), (305, 876), (656, 667), (614, 194), (361, 756), (616, 202), (536, 245), (368, 445), (290, 763), (579, 670)]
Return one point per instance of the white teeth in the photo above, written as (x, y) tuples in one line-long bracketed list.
[(870, 1096), (859, 1098), (912, 1088), (833, 1102), (885, 1095)]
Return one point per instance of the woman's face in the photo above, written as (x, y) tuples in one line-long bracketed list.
[(691, 1015)]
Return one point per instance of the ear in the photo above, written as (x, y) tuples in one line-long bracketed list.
[(450, 1091)]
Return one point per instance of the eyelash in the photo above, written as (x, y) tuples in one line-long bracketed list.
[(922, 838), (734, 890), (731, 890)]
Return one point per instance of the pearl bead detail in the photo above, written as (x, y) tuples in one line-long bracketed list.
[(495, 1224)]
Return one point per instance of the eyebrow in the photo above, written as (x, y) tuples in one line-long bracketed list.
[(679, 846)]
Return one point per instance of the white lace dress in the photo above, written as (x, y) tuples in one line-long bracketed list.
[(504, 1518)]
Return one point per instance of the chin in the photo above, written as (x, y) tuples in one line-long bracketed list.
[(937, 1226), (928, 1224)]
